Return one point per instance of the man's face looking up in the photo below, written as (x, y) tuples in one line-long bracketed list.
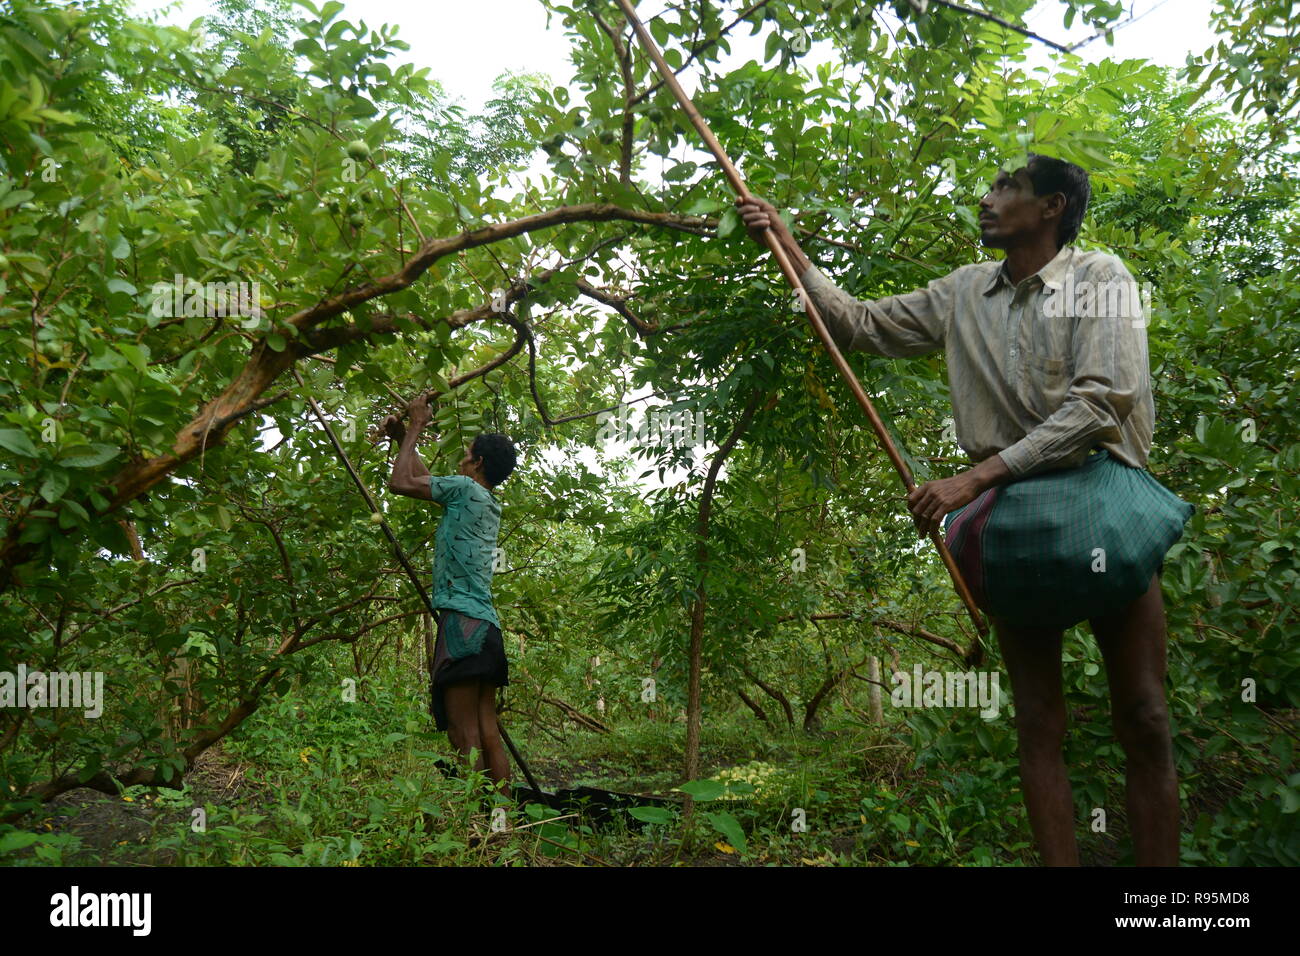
[(466, 465), (1010, 212)]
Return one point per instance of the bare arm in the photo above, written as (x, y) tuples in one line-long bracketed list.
[(899, 326), (410, 476), (934, 499)]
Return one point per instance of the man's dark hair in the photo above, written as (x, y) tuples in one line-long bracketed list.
[(1051, 175), (498, 454)]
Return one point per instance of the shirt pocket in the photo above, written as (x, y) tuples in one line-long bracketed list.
[(1044, 384)]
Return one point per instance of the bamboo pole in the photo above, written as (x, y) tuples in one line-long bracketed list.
[(810, 310)]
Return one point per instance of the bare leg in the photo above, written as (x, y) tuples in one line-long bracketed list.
[(1132, 643), (1033, 659), (462, 720), (494, 751)]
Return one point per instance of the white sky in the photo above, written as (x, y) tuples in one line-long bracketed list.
[(468, 43)]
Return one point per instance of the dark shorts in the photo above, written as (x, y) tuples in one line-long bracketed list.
[(488, 666)]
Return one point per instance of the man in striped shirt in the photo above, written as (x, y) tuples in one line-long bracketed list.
[(1035, 387)]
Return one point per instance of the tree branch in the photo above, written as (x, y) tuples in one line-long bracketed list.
[(243, 395), (984, 15)]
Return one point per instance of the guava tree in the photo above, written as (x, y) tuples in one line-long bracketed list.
[(173, 517)]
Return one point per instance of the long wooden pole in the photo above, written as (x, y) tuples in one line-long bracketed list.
[(814, 316)]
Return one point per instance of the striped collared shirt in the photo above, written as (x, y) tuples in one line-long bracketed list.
[(1039, 372)]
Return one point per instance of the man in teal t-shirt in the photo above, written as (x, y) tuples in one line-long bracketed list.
[(465, 546), (469, 661)]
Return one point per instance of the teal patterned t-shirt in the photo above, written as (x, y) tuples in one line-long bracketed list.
[(465, 545)]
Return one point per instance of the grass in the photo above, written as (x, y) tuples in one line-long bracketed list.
[(310, 780)]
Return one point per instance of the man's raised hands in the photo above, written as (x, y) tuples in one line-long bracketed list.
[(420, 414)]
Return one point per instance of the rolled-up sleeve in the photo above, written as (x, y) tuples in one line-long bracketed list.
[(898, 325), (1111, 372)]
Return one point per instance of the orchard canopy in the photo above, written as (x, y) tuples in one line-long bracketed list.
[(201, 228)]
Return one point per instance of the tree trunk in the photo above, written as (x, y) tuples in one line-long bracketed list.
[(873, 695), (774, 693), (429, 641), (828, 685), (692, 767), (753, 705)]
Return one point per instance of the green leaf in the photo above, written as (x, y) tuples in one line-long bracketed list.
[(728, 223), (659, 815), (680, 171), (729, 827), (1290, 800), (702, 206), (17, 840), (17, 442), (704, 789), (330, 11), (54, 485), (772, 46), (16, 197), (137, 355), (91, 456)]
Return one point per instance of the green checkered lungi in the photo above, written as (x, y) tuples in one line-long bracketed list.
[(1057, 548)]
